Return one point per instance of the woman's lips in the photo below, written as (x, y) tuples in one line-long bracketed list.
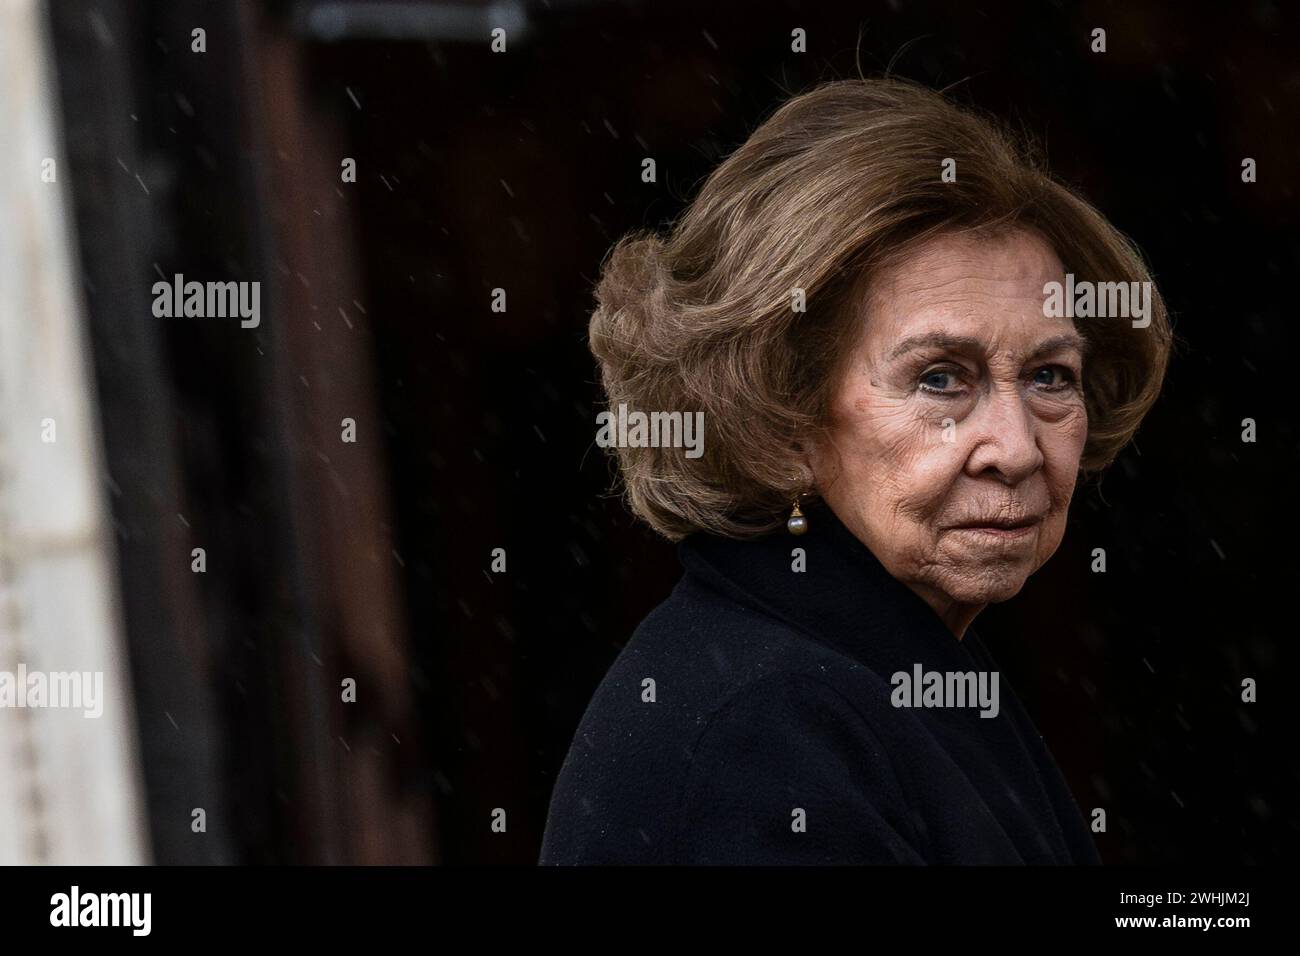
[(1000, 533), (1023, 531)]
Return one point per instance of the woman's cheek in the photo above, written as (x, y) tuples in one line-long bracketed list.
[(1068, 434)]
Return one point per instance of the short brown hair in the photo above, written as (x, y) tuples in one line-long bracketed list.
[(837, 183)]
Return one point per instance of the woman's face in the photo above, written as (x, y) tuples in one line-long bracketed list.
[(958, 424)]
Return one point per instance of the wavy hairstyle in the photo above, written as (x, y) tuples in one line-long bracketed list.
[(838, 184)]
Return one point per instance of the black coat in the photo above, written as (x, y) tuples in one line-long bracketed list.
[(771, 737)]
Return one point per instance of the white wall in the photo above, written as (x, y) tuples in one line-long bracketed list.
[(69, 785)]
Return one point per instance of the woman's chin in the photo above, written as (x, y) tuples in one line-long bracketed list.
[(984, 585)]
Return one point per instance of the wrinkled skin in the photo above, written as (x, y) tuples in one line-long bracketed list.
[(985, 429)]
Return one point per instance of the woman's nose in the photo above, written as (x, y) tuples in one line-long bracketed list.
[(1005, 438)]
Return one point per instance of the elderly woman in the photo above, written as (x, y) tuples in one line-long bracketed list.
[(864, 301)]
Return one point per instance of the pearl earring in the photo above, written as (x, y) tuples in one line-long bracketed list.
[(797, 523)]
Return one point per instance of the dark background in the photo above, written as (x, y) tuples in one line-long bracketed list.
[(475, 429)]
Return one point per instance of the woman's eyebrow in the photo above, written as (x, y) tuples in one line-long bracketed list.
[(942, 340), (1067, 341), (966, 343)]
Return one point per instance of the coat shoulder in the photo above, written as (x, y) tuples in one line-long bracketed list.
[(709, 702)]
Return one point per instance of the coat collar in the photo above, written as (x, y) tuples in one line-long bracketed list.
[(845, 598)]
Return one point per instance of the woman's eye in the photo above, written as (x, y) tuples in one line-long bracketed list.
[(939, 380), (1053, 378)]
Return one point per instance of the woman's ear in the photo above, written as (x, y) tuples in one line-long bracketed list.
[(819, 464)]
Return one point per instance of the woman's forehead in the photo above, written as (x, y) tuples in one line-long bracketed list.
[(958, 265), (956, 286)]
